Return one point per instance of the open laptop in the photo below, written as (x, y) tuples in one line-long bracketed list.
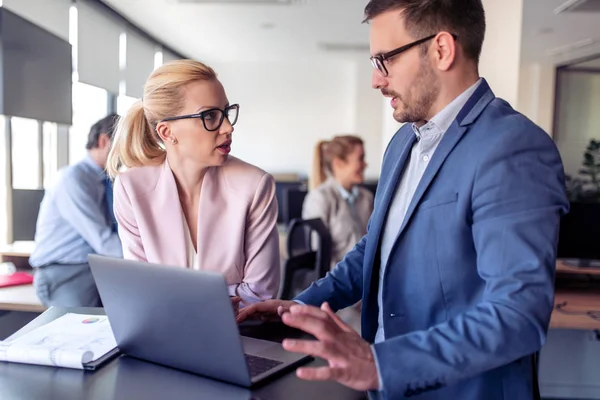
[(183, 319)]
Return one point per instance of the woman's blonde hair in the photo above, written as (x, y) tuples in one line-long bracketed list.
[(328, 150), (136, 141)]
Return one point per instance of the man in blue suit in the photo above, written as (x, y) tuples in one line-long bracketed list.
[(456, 272)]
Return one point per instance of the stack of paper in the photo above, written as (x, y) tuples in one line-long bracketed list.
[(71, 341)]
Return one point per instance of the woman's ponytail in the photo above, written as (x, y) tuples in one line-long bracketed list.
[(135, 144), (319, 171)]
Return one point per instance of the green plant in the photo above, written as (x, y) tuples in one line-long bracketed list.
[(586, 187)]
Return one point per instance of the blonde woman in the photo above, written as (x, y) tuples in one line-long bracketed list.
[(335, 197), (183, 200)]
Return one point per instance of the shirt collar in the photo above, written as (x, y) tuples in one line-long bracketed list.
[(442, 120), (87, 160), (349, 196)]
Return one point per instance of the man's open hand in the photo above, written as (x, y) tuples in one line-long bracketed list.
[(350, 358)]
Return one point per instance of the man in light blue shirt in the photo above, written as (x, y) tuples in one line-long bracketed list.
[(75, 220)]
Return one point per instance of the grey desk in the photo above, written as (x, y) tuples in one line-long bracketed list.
[(130, 379)]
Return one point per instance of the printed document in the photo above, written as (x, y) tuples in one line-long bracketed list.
[(69, 341)]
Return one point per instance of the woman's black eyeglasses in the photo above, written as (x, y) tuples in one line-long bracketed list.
[(378, 60), (212, 118)]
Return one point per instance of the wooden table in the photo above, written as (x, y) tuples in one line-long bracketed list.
[(20, 298), (579, 300), (578, 303), (18, 253), (563, 268), (17, 249)]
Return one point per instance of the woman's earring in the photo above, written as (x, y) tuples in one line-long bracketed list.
[(174, 141)]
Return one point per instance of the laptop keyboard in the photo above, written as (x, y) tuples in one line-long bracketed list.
[(258, 365)]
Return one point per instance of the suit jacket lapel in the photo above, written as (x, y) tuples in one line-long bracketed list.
[(169, 214), (211, 203), (474, 106), (389, 189), (450, 139)]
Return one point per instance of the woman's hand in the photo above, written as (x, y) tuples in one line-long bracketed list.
[(235, 303)]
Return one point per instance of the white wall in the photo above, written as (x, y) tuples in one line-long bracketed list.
[(536, 94), (285, 108), (578, 116), (368, 123), (501, 54)]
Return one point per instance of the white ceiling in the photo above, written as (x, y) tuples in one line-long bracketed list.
[(555, 38), (250, 31)]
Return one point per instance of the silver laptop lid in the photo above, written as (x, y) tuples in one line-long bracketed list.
[(172, 316)]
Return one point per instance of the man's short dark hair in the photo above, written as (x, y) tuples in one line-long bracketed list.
[(464, 18), (106, 125)]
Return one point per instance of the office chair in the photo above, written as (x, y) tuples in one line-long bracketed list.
[(370, 186), (293, 200), (281, 187), (305, 264)]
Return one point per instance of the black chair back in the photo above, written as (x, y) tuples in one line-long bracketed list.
[(280, 192), (309, 255), (290, 196), (370, 186), (293, 198)]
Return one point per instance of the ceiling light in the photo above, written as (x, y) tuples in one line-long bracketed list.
[(570, 47), (568, 5)]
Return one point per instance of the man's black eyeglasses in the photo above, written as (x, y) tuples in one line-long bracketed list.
[(212, 118), (378, 60)]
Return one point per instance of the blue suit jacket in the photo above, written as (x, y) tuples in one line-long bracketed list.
[(469, 286)]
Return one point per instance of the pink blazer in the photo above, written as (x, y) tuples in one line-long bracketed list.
[(237, 231)]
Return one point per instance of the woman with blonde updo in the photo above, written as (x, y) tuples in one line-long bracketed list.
[(182, 199)]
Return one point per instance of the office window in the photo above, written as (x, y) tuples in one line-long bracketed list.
[(50, 151), (158, 59), (25, 153), (124, 103), (90, 104)]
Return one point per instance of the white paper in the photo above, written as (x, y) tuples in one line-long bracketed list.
[(69, 341)]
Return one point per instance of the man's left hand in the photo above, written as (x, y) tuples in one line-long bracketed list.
[(350, 358)]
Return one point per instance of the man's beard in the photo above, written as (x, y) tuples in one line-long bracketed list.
[(420, 97)]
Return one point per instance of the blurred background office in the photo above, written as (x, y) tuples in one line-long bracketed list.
[(300, 71)]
